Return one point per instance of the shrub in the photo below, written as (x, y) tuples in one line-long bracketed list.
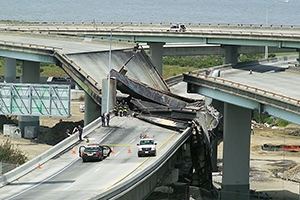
[(81, 98), (282, 123), (10, 154)]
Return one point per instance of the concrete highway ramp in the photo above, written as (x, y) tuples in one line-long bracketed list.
[(88, 69)]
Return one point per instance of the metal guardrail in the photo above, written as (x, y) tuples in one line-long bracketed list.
[(266, 93), (201, 32), (80, 70), (97, 23), (30, 45)]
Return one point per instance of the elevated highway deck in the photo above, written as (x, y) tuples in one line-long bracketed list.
[(67, 177), (268, 87)]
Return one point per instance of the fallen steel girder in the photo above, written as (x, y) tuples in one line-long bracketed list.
[(141, 91), (165, 122), (164, 111)]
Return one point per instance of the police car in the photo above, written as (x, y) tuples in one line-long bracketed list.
[(94, 152)]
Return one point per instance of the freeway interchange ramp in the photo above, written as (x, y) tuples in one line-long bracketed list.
[(88, 69)]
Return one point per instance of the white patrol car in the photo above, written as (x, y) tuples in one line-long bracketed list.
[(147, 147)]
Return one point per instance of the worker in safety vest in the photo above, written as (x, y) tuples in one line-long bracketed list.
[(121, 110), (116, 109), (125, 109)]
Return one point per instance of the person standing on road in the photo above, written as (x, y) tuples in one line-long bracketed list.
[(125, 109), (116, 109), (80, 132), (107, 118), (103, 119)]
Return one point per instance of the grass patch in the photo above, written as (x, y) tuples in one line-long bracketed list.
[(173, 70)]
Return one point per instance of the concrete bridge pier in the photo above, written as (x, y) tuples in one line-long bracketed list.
[(91, 110), (230, 54), (111, 95), (10, 70), (236, 153), (156, 52), (30, 73)]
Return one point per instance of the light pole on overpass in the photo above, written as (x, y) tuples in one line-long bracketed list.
[(267, 21), (109, 62)]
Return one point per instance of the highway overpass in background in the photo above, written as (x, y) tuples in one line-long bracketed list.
[(47, 43)]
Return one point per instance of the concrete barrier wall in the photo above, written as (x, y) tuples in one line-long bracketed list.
[(139, 186), (43, 158)]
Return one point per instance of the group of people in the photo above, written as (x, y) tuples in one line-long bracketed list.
[(79, 129), (105, 117), (120, 109)]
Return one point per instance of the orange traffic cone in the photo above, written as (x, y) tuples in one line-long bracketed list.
[(73, 151), (129, 151), (39, 166), (112, 150)]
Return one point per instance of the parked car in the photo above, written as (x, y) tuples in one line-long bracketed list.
[(94, 152)]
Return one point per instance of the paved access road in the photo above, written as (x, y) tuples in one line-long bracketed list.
[(67, 177)]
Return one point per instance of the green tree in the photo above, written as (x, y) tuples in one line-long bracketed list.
[(10, 154)]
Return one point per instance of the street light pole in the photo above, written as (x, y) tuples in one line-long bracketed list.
[(267, 21), (109, 68), (109, 62)]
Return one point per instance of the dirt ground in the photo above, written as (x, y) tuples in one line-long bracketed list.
[(275, 174)]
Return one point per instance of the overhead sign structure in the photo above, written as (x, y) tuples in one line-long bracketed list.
[(35, 99)]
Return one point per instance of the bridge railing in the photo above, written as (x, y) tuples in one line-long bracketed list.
[(202, 31), (259, 91), (30, 45), (106, 23)]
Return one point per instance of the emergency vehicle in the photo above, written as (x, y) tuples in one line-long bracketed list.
[(94, 152), (146, 146)]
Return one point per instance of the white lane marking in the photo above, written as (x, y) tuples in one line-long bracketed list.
[(97, 169), (132, 141), (68, 187), (34, 186), (117, 153), (145, 130)]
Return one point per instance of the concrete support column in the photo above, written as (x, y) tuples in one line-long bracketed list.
[(10, 70), (30, 73), (111, 96), (236, 153), (156, 52), (230, 54), (91, 110)]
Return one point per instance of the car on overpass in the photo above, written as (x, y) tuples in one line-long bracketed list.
[(94, 152), (178, 28)]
